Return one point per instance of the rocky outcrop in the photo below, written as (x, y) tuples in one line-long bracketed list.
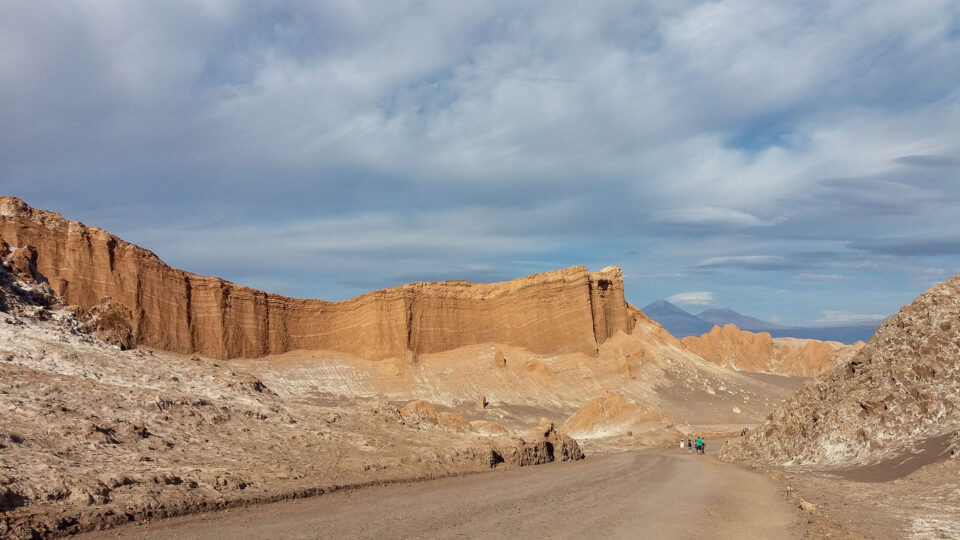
[(569, 310), (487, 427), (419, 412), (542, 444), (741, 350), (613, 415), (900, 396)]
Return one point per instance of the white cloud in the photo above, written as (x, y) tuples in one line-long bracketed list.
[(837, 318), (808, 276), (710, 216), (442, 136), (694, 298), (744, 261)]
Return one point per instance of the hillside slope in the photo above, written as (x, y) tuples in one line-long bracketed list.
[(899, 395)]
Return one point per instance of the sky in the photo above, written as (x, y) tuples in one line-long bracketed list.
[(797, 161)]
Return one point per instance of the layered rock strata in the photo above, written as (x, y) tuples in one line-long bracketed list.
[(563, 311), (730, 347), (92, 436)]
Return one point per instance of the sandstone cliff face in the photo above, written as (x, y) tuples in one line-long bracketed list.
[(901, 393), (748, 351), (569, 310), (91, 436)]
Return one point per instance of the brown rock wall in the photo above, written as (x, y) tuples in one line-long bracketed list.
[(569, 310)]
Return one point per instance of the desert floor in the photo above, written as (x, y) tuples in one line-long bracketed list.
[(656, 494)]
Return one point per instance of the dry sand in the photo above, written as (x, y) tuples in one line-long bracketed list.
[(903, 498)]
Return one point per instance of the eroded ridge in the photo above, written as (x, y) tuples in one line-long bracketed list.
[(570, 310)]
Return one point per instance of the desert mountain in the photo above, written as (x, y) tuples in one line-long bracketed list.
[(741, 350), (675, 320), (842, 334), (898, 396), (683, 324), (570, 310), (542, 345), (111, 414), (724, 316)]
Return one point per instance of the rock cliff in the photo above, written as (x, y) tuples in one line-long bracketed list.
[(748, 351), (92, 436), (563, 311), (896, 401)]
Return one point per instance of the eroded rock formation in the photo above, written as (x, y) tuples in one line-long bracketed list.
[(900, 396), (92, 436), (748, 351), (611, 415), (569, 310)]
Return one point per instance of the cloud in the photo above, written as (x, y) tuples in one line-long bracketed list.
[(710, 216), (754, 262), (489, 139), (842, 318), (925, 245), (694, 298), (807, 276), (929, 160)]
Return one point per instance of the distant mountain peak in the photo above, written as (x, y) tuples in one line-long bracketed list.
[(724, 316), (681, 323), (664, 305), (717, 311), (676, 320)]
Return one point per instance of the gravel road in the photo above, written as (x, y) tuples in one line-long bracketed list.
[(666, 494)]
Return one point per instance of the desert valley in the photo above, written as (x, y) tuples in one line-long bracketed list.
[(404, 269), (133, 392)]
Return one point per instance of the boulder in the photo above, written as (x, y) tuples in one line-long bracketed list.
[(453, 421), (419, 412)]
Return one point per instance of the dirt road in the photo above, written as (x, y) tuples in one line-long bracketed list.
[(665, 494)]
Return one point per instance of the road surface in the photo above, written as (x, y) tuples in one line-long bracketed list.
[(667, 494)]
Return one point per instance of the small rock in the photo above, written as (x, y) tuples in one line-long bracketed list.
[(808, 507)]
